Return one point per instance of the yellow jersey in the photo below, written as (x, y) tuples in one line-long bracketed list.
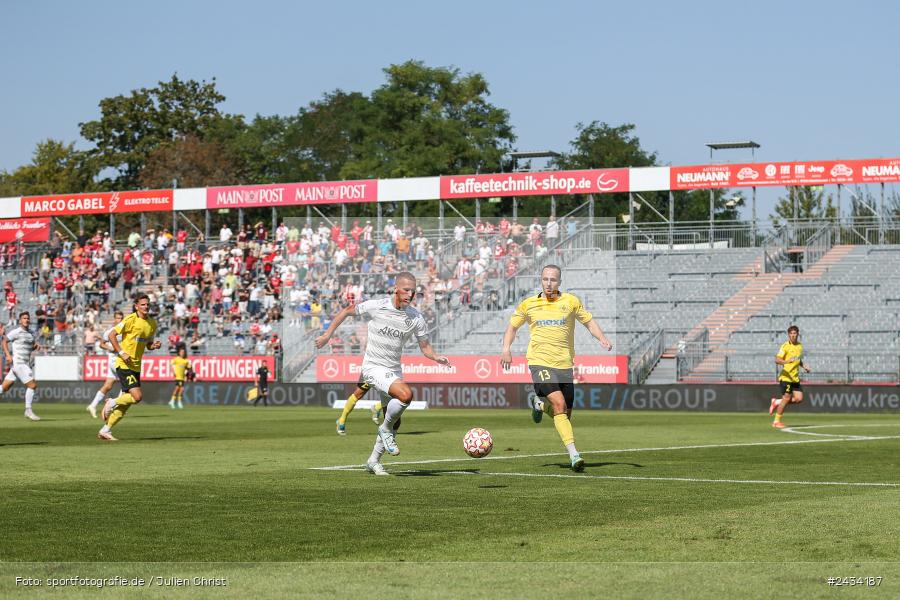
[(136, 334), (179, 365), (551, 324), (790, 371)]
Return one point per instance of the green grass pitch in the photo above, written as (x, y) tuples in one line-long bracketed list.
[(670, 505)]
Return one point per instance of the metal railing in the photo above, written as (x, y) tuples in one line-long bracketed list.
[(645, 356), (691, 352), (855, 368)]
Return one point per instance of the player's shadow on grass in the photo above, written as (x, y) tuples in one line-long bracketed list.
[(149, 417), (587, 465), (24, 444), (436, 472), (401, 433), (172, 437)]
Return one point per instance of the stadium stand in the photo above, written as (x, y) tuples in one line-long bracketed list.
[(684, 312)]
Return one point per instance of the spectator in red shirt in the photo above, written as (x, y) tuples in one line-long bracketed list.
[(127, 280), (250, 261), (196, 269), (11, 301), (60, 282), (275, 280), (180, 239), (356, 231), (174, 340), (504, 227), (512, 265)]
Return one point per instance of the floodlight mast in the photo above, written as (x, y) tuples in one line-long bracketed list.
[(713, 146)]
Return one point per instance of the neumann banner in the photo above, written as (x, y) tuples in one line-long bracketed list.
[(473, 369), (207, 368), (826, 172), (593, 181), (292, 194), (97, 203)]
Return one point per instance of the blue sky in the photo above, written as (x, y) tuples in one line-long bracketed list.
[(807, 80)]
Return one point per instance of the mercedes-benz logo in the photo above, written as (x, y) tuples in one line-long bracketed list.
[(483, 368), (330, 368)]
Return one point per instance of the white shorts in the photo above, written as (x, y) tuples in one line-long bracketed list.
[(380, 378), (23, 372), (111, 374)]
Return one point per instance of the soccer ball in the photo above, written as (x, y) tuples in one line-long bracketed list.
[(478, 442)]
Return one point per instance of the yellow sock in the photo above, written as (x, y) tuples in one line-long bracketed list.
[(117, 415), (564, 428), (548, 408), (777, 418), (125, 399), (348, 408)]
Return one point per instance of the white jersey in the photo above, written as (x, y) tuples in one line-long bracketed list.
[(21, 343), (110, 355), (389, 330)]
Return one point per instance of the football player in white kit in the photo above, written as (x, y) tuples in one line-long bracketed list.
[(23, 344), (393, 322), (111, 377)]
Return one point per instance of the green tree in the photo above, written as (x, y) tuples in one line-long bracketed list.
[(804, 202), (131, 127), (599, 145), (428, 121), (191, 162), (55, 168)]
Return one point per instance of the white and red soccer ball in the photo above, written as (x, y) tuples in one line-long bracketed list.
[(478, 442)]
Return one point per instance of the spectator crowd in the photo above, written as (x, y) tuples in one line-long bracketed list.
[(235, 286)]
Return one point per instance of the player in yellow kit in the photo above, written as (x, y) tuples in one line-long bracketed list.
[(137, 331), (180, 366), (790, 357), (551, 317)]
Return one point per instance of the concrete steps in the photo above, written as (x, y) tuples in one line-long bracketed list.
[(746, 303)]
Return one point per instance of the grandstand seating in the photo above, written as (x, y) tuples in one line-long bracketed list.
[(847, 304), (848, 312)]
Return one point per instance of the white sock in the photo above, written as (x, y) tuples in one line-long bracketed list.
[(98, 398), (105, 429), (571, 449), (377, 451), (393, 411), (29, 398)]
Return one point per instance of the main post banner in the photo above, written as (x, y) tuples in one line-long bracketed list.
[(207, 368), (825, 172), (24, 230), (292, 194), (473, 369), (97, 203), (593, 181)]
